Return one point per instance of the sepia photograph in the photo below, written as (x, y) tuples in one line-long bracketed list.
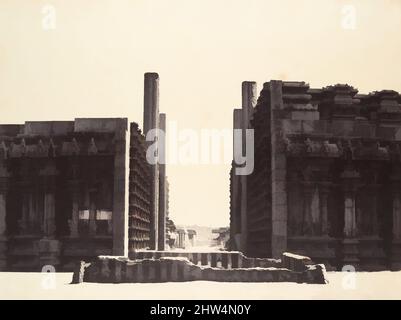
[(200, 156)]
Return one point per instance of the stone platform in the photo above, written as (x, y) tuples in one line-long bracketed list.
[(111, 269)]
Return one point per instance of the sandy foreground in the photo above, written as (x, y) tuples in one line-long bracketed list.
[(375, 285)]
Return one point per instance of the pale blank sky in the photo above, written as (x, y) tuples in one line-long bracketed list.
[(92, 65)]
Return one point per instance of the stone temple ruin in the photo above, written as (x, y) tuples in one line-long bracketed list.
[(326, 184), (73, 190), (327, 175)]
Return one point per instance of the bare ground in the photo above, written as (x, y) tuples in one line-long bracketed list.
[(363, 285)]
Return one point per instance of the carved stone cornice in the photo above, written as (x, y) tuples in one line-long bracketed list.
[(56, 146), (310, 147)]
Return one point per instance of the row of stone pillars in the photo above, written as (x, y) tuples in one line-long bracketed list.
[(32, 223), (28, 205), (352, 239), (47, 246), (315, 207)]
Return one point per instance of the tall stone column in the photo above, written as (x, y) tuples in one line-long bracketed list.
[(278, 171), (349, 212), (372, 223), (150, 122), (33, 212), (350, 252), (249, 96), (49, 175), (48, 246), (92, 212), (25, 224), (28, 224), (74, 188), (235, 208), (371, 253), (162, 184), (324, 194), (74, 221), (4, 178), (307, 221)]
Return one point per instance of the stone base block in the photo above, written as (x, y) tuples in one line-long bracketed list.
[(295, 262), (321, 249)]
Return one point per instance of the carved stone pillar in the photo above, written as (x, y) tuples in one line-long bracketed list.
[(350, 180), (110, 226), (295, 218), (324, 191), (396, 229), (349, 214), (49, 174), (92, 212), (4, 177), (73, 222), (372, 221), (29, 223), (48, 247), (23, 221), (25, 224), (308, 214), (371, 253)]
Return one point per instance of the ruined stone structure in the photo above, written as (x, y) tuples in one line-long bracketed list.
[(71, 190), (186, 238), (182, 266), (327, 175)]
